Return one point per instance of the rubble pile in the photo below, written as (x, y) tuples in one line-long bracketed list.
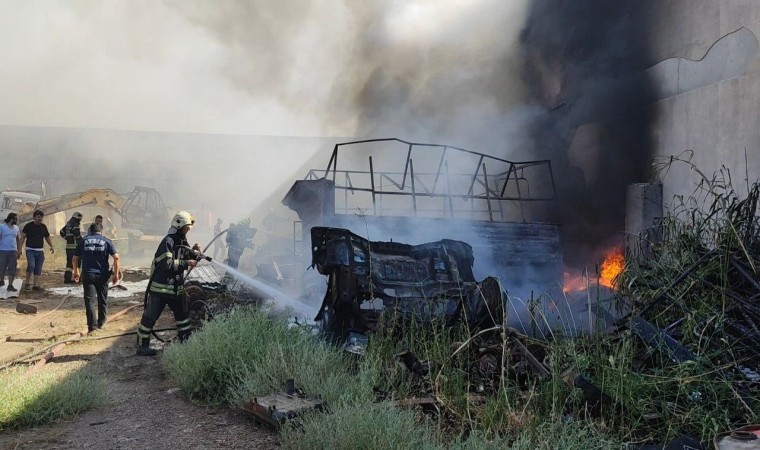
[(682, 366)]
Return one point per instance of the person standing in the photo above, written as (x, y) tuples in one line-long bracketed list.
[(93, 252), (10, 240), (108, 228), (33, 234), (99, 220), (218, 244), (239, 237), (73, 235), (166, 285)]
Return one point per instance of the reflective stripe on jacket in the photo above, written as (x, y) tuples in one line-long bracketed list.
[(169, 265), (71, 233)]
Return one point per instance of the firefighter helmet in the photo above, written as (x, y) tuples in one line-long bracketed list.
[(181, 219), (77, 215)]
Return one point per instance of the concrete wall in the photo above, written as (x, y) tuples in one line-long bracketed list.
[(707, 65)]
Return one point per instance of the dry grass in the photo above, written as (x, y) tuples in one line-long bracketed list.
[(47, 395)]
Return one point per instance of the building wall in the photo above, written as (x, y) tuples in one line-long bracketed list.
[(707, 66)]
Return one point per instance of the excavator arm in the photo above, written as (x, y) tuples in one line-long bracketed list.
[(105, 198)]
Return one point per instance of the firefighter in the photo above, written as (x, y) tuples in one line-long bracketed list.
[(72, 233), (165, 287), (239, 238)]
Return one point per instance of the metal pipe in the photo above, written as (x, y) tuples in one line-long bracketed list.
[(475, 176), (488, 193), (332, 157), (406, 166), (414, 193), (440, 164), (448, 190), (372, 184)]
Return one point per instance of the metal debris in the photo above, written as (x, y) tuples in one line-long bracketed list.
[(427, 282), (276, 409)]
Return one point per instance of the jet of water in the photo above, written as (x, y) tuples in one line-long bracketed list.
[(278, 299)]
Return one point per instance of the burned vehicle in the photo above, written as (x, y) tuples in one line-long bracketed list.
[(425, 282)]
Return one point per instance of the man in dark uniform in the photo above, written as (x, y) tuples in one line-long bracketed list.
[(93, 252), (239, 238), (73, 236), (166, 285)]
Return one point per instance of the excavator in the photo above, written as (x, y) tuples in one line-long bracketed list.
[(144, 216)]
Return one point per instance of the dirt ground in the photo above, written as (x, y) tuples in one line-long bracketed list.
[(144, 409)]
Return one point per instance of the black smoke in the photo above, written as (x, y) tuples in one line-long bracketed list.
[(584, 62)]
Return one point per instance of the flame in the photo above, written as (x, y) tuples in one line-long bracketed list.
[(611, 267), (574, 282)]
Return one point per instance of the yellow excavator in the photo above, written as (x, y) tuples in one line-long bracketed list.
[(144, 216)]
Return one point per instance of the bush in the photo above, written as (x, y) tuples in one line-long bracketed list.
[(245, 353), (368, 426), (47, 396)]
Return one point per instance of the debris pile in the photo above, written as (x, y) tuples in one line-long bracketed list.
[(695, 297), (682, 366)]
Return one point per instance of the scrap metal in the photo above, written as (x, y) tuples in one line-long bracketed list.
[(278, 408), (425, 282)]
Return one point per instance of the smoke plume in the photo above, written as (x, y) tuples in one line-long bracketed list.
[(517, 79), (583, 63), (545, 79)]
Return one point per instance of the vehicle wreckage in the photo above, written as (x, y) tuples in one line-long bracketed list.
[(426, 282)]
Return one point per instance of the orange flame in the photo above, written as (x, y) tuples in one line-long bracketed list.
[(611, 267), (574, 283)]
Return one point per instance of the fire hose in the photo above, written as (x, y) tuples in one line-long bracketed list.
[(37, 319), (68, 341), (197, 255)]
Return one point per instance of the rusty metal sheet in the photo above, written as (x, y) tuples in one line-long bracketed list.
[(276, 409)]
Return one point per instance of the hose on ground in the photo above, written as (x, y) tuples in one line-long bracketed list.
[(66, 341)]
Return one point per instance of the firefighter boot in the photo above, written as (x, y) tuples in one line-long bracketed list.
[(143, 347)]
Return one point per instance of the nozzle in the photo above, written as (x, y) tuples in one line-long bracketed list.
[(197, 254)]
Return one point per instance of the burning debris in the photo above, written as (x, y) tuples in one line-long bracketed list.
[(678, 356), (396, 190), (680, 361), (426, 282)]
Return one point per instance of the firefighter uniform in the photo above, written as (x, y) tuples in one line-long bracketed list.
[(239, 237), (166, 287), (72, 233)]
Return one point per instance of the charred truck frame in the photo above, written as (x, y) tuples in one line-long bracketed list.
[(419, 282), (393, 191)]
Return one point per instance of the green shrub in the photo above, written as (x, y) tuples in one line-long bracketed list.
[(47, 395), (550, 435), (246, 353), (368, 426)]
